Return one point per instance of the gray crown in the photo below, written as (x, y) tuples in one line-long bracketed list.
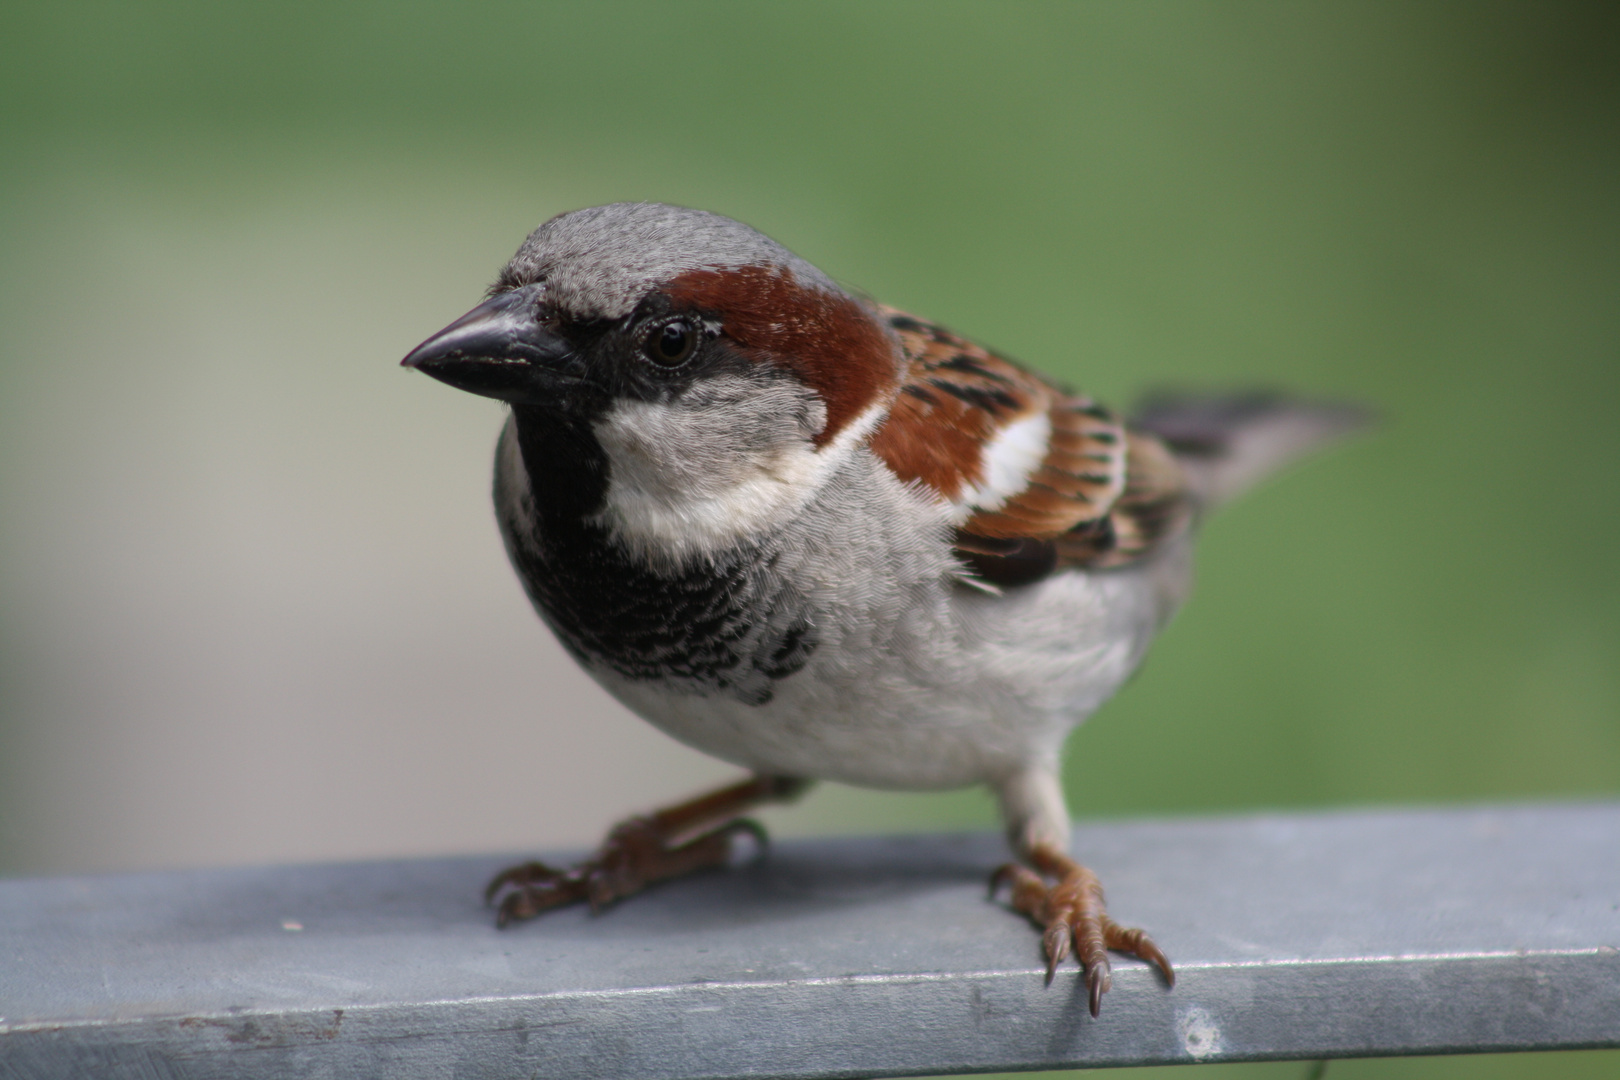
[(599, 263)]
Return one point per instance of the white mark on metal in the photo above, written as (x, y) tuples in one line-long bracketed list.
[(1199, 1033)]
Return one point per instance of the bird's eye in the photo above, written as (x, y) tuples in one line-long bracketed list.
[(672, 343)]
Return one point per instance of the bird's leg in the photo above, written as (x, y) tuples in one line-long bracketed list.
[(1072, 915), (692, 836), (1062, 897)]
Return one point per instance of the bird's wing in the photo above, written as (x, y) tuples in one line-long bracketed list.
[(1040, 479)]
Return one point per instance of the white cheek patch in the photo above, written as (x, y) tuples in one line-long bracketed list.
[(1009, 460), (731, 461)]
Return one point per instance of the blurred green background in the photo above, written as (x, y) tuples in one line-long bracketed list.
[(253, 603)]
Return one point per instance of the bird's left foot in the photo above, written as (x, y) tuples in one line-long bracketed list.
[(1073, 917)]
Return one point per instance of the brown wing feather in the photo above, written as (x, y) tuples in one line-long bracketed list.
[(1103, 496), (1080, 479), (955, 399), (1154, 507)]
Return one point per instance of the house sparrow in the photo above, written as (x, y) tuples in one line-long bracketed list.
[(822, 538)]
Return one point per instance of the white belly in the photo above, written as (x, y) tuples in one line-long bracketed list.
[(963, 688)]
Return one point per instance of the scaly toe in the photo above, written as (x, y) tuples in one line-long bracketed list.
[(523, 874), (529, 899), (1138, 944)]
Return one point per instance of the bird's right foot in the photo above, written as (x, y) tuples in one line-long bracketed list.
[(695, 835)]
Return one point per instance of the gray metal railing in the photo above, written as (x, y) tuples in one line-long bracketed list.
[(1294, 936)]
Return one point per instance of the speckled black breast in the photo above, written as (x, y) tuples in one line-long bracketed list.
[(726, 626), (707, 631)]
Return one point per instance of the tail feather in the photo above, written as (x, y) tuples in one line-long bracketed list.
[(1226, 444)]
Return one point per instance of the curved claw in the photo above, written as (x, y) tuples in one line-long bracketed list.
[(1057, 942), (1098, 982), (522, 874), (1152, 955)]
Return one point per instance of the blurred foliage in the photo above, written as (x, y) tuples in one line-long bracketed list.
[(1413, 206)]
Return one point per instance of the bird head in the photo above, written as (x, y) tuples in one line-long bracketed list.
[(721, 376)]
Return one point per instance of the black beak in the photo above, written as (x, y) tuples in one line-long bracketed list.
[(499, 349)]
